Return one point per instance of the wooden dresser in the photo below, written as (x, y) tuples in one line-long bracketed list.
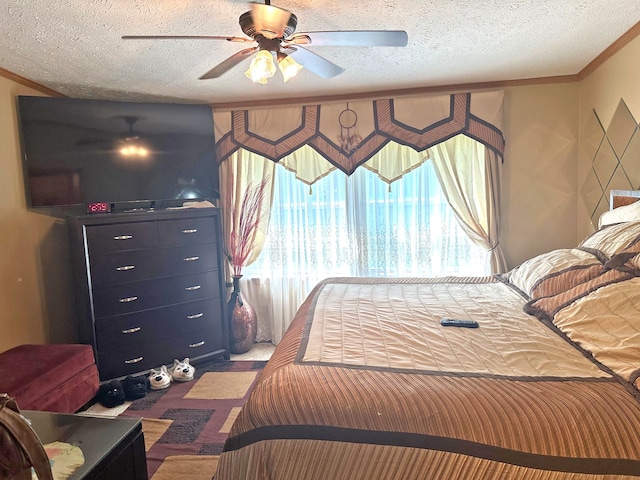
[(149, 287)]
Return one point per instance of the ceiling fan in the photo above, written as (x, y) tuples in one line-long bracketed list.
[(272, 28), (129, 143)]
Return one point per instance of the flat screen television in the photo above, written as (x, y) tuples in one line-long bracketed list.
[(126, 154)]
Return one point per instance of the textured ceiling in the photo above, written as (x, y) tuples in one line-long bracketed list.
[(74, 46)]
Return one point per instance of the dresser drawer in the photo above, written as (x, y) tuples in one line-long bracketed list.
[(129, 266), (121, 236), (187, 231), (150, 326), (146, 294), (193, 344), (126, 361)]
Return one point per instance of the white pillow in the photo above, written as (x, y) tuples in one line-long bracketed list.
[(527, 275), (613, 239), (627, 213)]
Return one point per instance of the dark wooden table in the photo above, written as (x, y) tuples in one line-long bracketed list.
[(113, 448)]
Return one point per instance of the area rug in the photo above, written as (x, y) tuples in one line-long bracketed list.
[(186, 424)]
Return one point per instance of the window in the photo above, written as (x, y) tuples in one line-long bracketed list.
[(361, 226)]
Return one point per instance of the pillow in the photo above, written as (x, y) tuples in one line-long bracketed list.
[(626, 213), (607, 324), (627, 261), (565, 280), (528, 275), (613, 239), (545, 308)]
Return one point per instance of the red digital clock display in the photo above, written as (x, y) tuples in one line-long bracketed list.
[(98, 207)]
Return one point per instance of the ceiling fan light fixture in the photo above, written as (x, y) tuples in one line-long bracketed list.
[(270, 21), (273, 28), (288, 66), (262, 67), (132, 147), (133, 151)]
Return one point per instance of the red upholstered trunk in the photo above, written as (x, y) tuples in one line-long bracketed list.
[(55, 378)]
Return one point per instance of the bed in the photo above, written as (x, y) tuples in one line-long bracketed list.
[(367, 384)]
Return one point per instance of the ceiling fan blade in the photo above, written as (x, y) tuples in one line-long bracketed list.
[(313, 62), (186, 37), (228, 64), (269, 21), (357, 38)]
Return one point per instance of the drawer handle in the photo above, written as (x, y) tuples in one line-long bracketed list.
[(195, 315), (189, 230), (128, 299), (191, 259), (132, 330), (124, 268), (192, 288), (195, 345), (134, 360), (123, 237)]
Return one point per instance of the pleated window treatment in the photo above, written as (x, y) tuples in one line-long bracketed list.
[(310, 139), (459, 133)]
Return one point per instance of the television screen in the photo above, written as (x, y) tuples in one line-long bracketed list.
[(77, 152)]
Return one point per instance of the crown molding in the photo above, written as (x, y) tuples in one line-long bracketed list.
[(396, 93), (611, 50), (29, 83)]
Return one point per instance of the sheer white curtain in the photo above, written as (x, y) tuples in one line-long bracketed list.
[(238, 173), (469, 174), (353, 226)]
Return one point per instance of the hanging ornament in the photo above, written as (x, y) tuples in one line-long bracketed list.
[(349, 137)]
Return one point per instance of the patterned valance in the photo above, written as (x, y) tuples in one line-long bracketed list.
[(349, 134)]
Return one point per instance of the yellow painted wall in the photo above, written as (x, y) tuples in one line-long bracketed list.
[(36, 294), (539, 174), (617, 78)]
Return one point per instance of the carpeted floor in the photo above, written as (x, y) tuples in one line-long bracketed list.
[(185, 425)]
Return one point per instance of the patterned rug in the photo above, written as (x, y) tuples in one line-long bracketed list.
[(185, 425)]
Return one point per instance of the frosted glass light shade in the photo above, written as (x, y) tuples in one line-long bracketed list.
[(262, 67), (289, 67)]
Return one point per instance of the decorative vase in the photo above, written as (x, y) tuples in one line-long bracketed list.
[(243, 322)]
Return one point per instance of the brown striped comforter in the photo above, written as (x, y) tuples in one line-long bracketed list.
[(366, 384)]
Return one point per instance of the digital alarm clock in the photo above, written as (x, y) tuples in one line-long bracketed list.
[(98, 207)]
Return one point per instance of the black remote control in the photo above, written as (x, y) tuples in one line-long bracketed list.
[(458, 322)]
